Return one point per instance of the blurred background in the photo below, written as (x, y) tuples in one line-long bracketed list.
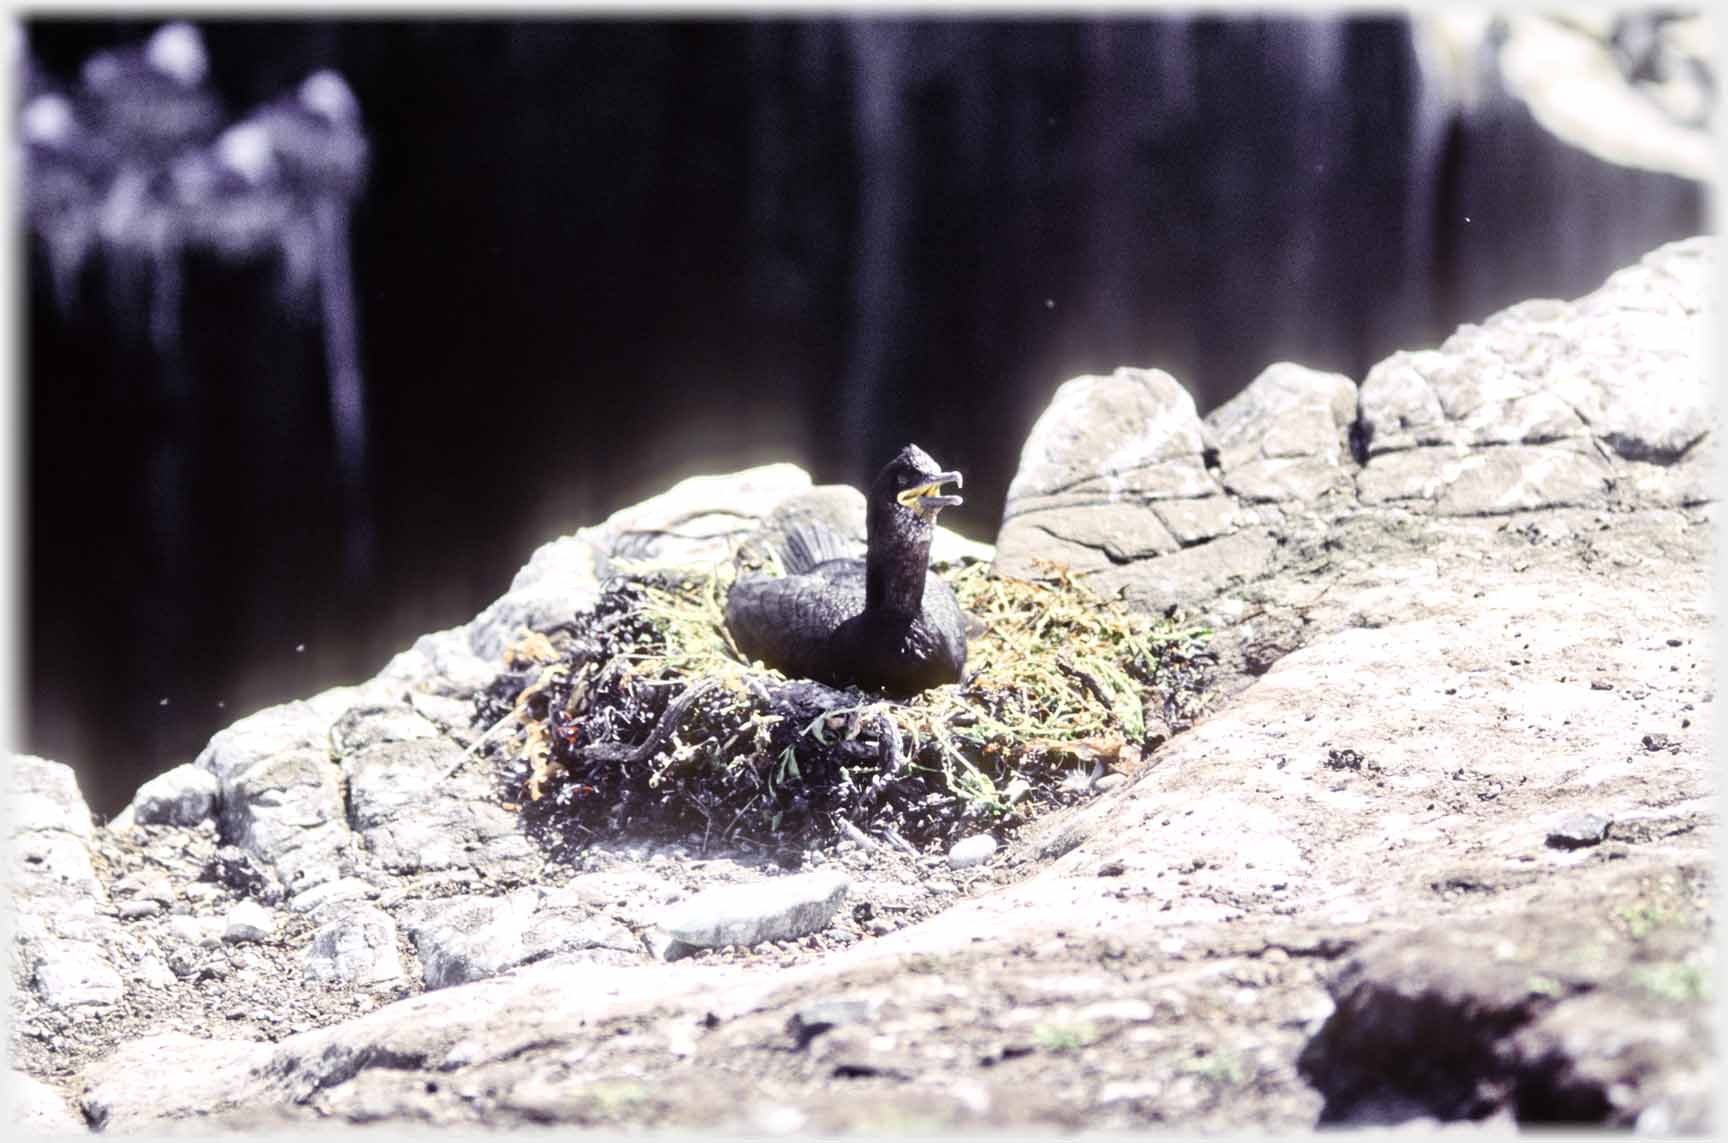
[(327, 325)]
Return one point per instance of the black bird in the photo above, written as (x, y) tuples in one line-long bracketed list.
[(885, 622)]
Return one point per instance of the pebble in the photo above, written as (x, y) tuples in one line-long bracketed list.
[(818, 1017), (974, 850), (1577, 830), (206, 932), (248, 921), (777, 909), (1110, 781), (354, 943), (330, 892), (135, 910)]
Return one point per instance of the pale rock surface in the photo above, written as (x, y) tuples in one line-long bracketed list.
[(778, 909), (1498, 622), (183, 796), (354, 942)]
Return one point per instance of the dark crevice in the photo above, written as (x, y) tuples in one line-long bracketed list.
[(1361, 436), (1632, 449)]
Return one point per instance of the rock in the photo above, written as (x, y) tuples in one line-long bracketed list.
[(205, 932), (149, 887), (70, 973), (1098, 470), (1544, 1016), (183, 796), (44, 796), (274, 730), (234, 868), (445, 664), (1577, 830), (51, 827), (377, 723), (412, 816), (331, 892), (974, 850), (812, 1020), (1555, 380), (1287, 435), (287, 808), (354, 944), (1650, 112), (248, 921), (778, 909), (463, 939), (1325, 900), (127, 1091), (39, 1108)]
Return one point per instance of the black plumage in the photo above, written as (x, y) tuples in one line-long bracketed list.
[(885, 622)]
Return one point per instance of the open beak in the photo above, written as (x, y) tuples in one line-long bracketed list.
[(928, 499)]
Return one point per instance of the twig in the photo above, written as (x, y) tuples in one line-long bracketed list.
[(635, 755), (900, 843), (860, 836), (478, 743), (892, 760)]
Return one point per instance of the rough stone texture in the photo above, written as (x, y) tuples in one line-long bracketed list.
[(1601, 403), (471, 938), (780, 909), (1589, 90), (183, 796), (287, 808), (411, 817), (1287, 435), (1585, 396), (248, 921), (1332, 900)]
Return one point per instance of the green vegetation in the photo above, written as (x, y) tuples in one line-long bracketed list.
[(1064, 1037), (1680, 983), (643, 716)]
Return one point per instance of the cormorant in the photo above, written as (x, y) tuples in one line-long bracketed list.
[(885, 622)]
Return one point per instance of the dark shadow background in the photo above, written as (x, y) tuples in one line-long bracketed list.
[(596, 256)]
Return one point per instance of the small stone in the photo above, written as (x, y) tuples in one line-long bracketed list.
[(248, 921), (1108, 782), (137, 910), (184, 796), (974, 850), (814, 1019), (1112, 869), (354, 943), (331, 892), (205, 932), (1578, 830), (778, 909)]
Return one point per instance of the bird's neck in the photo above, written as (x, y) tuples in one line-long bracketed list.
[(896, 566)]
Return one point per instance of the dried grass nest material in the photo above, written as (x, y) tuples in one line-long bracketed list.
[(640, 718)]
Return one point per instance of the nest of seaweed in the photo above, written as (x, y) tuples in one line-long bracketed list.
[(639, 718)]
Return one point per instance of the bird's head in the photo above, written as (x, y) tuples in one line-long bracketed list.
[(912, 483)]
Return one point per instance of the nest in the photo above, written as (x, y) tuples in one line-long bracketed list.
[(640, 718)]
